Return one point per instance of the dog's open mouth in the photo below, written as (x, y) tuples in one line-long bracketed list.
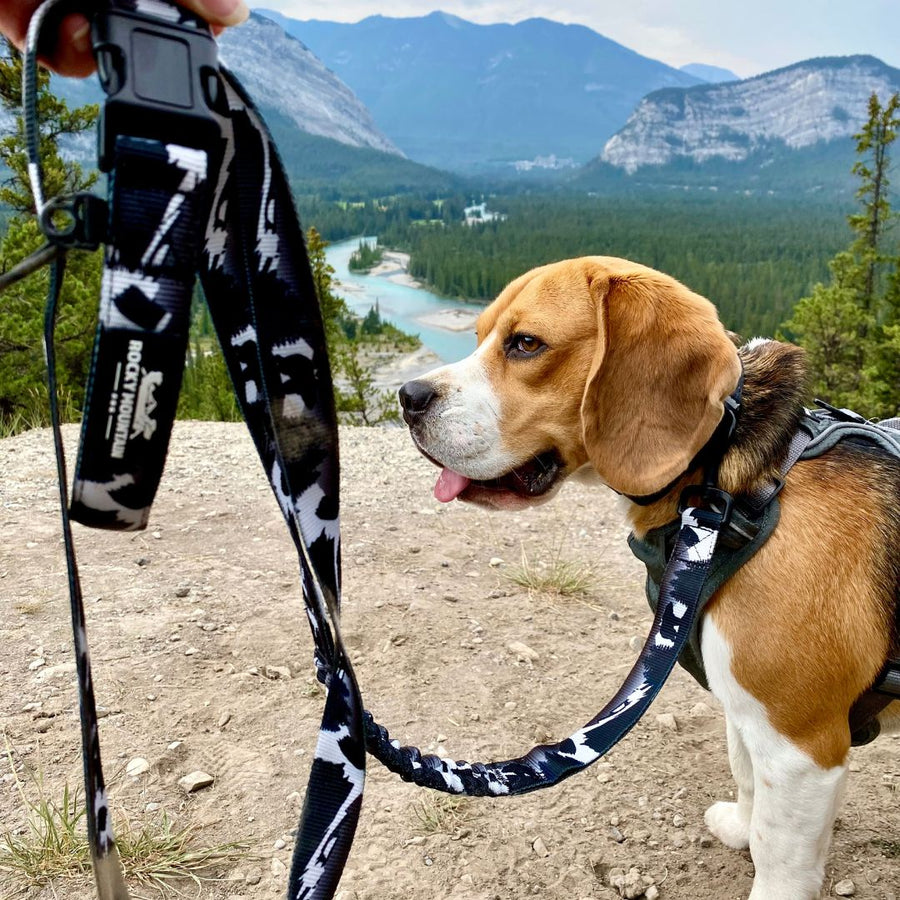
[(529, 481)]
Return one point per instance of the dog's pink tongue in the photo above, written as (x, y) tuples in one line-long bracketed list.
[(450, 485)]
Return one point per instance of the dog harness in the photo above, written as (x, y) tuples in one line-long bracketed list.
[(196, 187), (755, 517)]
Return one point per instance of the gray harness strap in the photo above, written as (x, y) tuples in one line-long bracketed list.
[(754, 519)]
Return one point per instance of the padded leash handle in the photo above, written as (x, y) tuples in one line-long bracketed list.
[(160, 74)]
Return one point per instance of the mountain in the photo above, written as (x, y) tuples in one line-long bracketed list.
[(459, 95), (800, 107), (711, 74), (325, 134), (281, 73)]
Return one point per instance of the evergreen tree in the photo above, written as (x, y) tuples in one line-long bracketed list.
[(23, 398), (849, 327), (56, 121), (334, 310)]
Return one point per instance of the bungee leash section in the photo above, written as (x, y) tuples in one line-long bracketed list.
[(196, 187)]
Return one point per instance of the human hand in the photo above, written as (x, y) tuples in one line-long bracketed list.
[(71, 54)]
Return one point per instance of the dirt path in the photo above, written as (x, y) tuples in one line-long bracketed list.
[(203, 661)]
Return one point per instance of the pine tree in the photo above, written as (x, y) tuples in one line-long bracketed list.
[(23, 398), (850, 328)]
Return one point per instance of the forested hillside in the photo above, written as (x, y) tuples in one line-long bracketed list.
[(754, 257)]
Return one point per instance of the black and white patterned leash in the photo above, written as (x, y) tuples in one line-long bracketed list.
[(256, 278)]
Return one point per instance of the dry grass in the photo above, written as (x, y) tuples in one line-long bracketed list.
[(52, 846), (440, 813), (557, 576)]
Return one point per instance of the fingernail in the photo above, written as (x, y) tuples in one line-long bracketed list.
[(81, 38), (227, 12)]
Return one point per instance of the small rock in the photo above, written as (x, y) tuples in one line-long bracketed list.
[(182, 590), (276, 673), (196, 781), (616, 834), (42, 726), (700, 710), (523, 651), (137, 767), (191, 651), (845, 888), (540, 847), (224, 719), (629, 885), (142, 561), (253, 878), (495, 561), (279, 869), (666, 722), (652, 893), (279, 844), (57, 671), (635, 643), (614, 616), (678, 820), (36, 663), (428, 861)]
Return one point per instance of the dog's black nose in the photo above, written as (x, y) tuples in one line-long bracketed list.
[(415, 398)]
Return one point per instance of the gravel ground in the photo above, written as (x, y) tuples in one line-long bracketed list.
[(202, 661)]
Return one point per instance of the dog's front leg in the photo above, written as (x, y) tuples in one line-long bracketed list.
[(730, 822), (794, 808), (793, 800)]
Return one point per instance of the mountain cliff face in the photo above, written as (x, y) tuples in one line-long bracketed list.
[(284, 78), (281, 73), (455, 94), (819, 100)]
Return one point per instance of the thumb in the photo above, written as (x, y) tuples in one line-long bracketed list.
[(219, 12)]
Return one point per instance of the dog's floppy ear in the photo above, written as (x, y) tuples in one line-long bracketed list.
[(661, 369)]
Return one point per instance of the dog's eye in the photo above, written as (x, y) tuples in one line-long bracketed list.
[(519, 346)]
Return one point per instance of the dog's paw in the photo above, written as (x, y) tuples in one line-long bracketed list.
[(728, 825)]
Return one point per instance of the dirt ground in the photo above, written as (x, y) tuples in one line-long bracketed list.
[(203, 660)]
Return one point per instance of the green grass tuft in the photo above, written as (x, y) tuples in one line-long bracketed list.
[(558, 576), (52, 845)]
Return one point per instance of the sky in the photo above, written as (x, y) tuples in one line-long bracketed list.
[(746, 37)]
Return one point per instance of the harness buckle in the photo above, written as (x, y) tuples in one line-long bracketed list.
[(161, 79), (707, 497)]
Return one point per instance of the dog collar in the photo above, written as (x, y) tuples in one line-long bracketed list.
[(711, 453)]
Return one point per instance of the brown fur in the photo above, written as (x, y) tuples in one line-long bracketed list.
[(632, 382)]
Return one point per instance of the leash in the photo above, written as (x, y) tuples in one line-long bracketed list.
[(218, 203)]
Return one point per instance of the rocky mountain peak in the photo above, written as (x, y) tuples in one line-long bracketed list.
[(809, 102)]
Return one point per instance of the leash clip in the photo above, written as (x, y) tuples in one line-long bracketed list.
[(161, 79), (709, 498)]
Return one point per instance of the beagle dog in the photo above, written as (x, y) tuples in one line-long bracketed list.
[(602, 364)]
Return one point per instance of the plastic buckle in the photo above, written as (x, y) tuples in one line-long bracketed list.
[(75, 221), (161, 79), (710, 498)]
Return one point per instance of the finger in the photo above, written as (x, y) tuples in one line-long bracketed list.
[(72, 55), (14, 19), (219, 12)]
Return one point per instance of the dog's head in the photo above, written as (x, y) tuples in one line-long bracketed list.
[(594, 360)]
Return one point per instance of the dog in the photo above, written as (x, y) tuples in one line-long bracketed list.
[(602, 366)]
